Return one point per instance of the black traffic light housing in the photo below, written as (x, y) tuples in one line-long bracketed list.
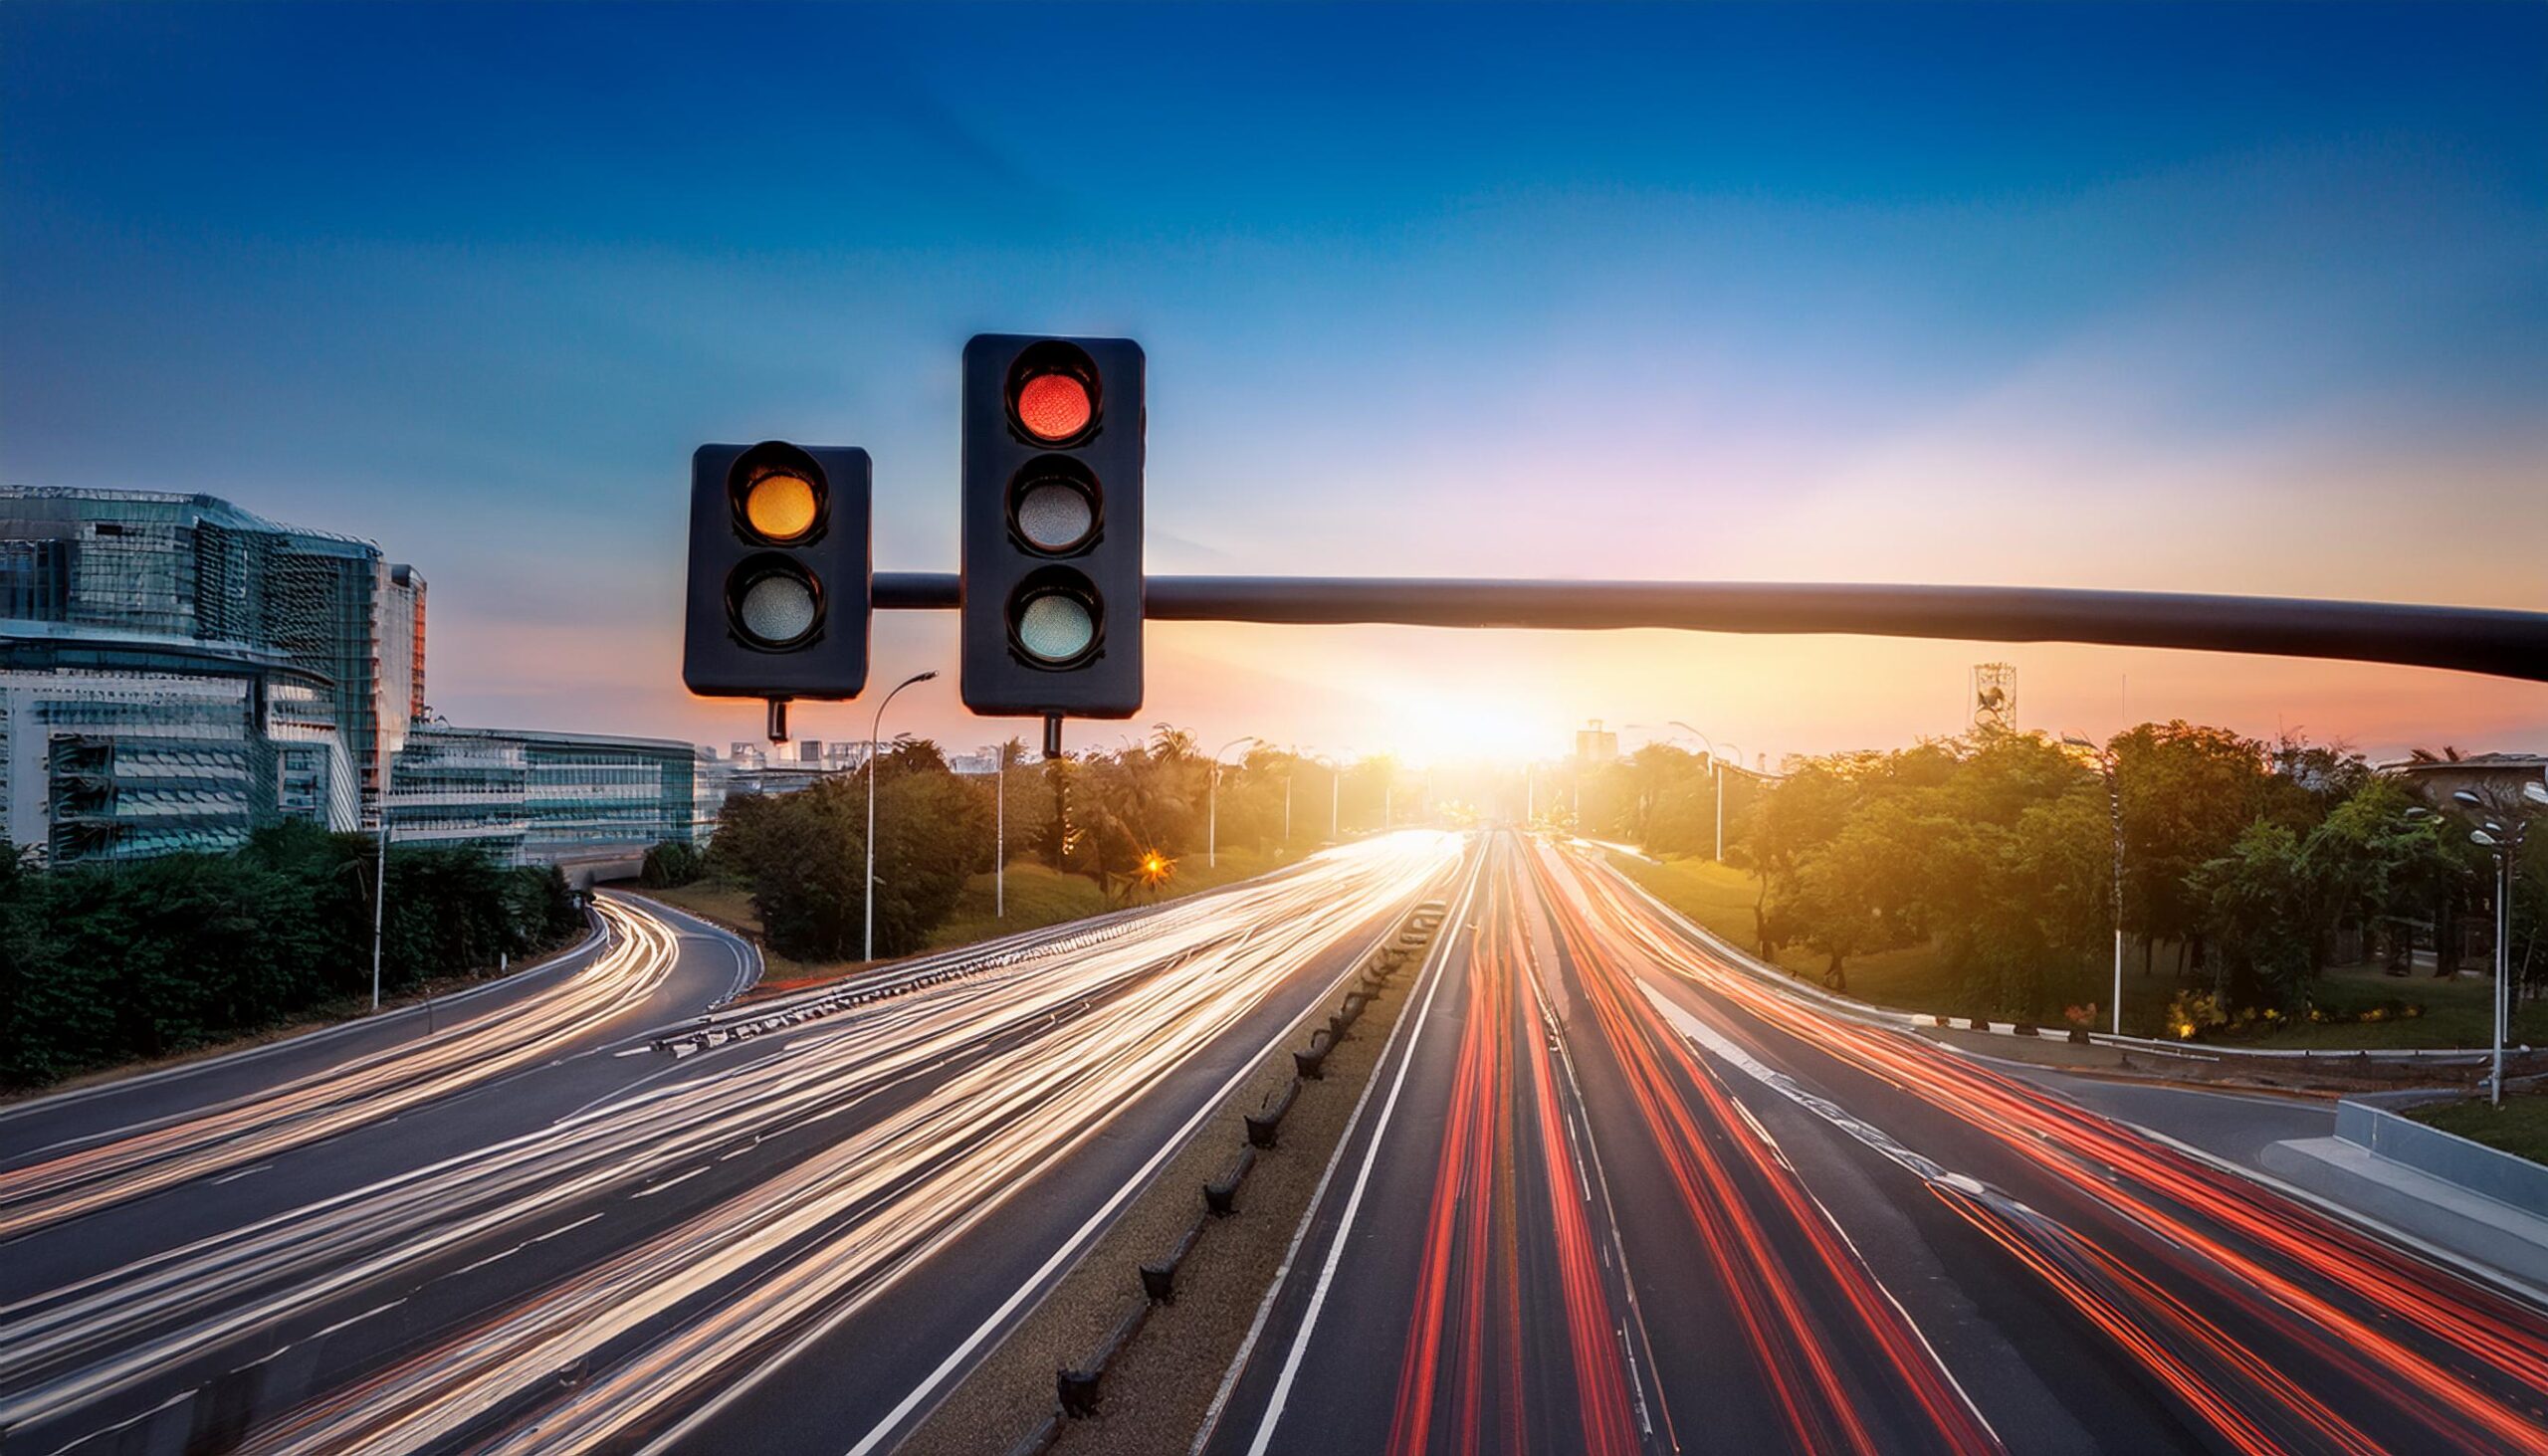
[(1052, 526), (779, 567)]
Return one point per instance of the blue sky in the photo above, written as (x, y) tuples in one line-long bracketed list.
[(2247, 299)]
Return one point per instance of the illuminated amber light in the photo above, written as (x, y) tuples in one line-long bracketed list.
[(781, 507), (1156, 867), (1053, 406)]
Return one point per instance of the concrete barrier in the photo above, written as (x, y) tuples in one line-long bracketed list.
[(2484, 1170)]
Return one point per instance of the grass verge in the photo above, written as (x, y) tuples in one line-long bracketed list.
[(2454, 1013), (2520, 1126)]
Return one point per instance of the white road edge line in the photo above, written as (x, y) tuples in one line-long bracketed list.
[(1097, 1223), (1456, 925)]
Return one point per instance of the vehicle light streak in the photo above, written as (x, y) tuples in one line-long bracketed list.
[(323, 1103), (1028, 1060), (2397, 1342), (1751, 1242)]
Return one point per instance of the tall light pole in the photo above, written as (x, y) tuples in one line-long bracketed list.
[(1716, 783), (2114, 816), (867, 945), (999, 837), (380, 878), (2505, 844), (1212, 800)]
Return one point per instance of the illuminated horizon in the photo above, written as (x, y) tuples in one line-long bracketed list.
[(2249, 301)]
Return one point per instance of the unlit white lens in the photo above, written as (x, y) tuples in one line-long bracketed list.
[(778, 608), (1054, 517), (1055, 628)]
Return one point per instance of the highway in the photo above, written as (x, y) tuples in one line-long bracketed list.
[(1613, 1193), (695, 1256), (1610, 1192)]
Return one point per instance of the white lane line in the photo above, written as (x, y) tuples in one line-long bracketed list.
[(1070, 1248), (1292, 1251), (1927, 1169), (358, 1318), (1353, 1207), (651, 1191)]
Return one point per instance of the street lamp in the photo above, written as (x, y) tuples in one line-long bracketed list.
[(2114, 814), (2505, 844), (380, 877), (1716, 779), (867, 890), (1335, 790), (999, 837), (1212, 800)]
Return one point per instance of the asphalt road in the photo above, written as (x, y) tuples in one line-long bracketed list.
[(789, 1232), (1616, 1196)]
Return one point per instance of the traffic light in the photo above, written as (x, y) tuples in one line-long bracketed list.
[(778, 574), (1052, 538)]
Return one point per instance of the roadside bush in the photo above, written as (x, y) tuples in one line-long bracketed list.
[(104, 964), (670, 864)]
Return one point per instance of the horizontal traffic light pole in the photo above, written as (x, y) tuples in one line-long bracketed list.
[(2496, 642)]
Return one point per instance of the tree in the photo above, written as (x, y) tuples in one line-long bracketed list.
[(2188, 792), (2253, 903)]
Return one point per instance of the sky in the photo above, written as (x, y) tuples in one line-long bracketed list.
[(2236, 299)]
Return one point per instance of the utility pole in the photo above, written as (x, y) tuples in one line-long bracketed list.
[(2105, 762), (380, 878), (867, 945), (1000, 839), (1212, 798)]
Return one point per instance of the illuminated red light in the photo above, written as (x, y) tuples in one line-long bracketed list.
[(1053, 406)]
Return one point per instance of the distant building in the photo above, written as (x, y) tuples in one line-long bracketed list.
[(1594, 745), (2496, 777), (176, 672), (531, 797)]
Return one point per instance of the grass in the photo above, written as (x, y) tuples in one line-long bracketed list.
[(1721, 897), (2520, 1126), (1037, 896), (2457, 1013)]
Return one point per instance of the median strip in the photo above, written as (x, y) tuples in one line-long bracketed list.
[(1123, 1354)]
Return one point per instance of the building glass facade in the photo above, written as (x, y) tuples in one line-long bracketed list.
[(176, 672)]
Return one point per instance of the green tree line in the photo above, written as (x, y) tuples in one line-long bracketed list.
[(102, 964), (1113, 815), (2254, 864)]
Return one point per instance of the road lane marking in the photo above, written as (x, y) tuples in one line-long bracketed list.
[(1353, 1204), (651, 1190), (1068, 1252)]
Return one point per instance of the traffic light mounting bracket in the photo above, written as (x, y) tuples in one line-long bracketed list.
[(2496, 642)]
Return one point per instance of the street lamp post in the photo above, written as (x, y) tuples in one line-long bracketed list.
[(1716, 776), (380, 879), (1213, 801), (2505, 844), (999, 838), (2114, 817), (867, 944)]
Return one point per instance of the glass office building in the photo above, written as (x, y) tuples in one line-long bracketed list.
[(532, 797), (176, 672)]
